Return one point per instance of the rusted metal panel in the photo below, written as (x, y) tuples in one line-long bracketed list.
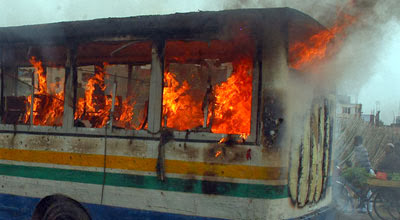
[(305, 158), (320, 152), (310, 159), (329, 109), (295, 161), (314, 150)]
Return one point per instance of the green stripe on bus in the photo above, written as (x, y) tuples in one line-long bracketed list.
[(148, 182)]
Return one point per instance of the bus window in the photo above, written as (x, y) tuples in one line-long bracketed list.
[(113, 73), (34, 85), (208, 85)]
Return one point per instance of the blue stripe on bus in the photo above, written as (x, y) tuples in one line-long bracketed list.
[(16, 207), (21, 208), (110, 212)]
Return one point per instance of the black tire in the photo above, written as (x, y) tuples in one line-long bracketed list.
[(61, 208), (385, 208)]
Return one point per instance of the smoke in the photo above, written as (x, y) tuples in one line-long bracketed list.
[(326, 11), (360, 57), (321, 10)]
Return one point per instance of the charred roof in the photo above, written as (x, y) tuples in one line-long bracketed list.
[(179, 25)]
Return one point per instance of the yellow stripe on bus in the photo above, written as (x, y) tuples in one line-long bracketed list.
[(143, 164)]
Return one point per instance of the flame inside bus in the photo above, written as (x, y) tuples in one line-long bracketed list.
[(96, 107), (48, 108)]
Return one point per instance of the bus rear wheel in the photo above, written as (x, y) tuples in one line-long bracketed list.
[(61, 208)]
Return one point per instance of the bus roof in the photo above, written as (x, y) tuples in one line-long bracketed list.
[(179, 25)]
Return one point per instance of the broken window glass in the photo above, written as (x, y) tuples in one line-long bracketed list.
[(113, 84), (34, 85), (208, 85)]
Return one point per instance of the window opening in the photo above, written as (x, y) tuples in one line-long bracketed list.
[(113, 83), (34, 85), (208, 85)]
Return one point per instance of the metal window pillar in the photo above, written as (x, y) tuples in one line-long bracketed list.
[(156, 87), (69, 94)]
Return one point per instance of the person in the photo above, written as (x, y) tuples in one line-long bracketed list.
[(390, 163), (359, 156), (359, 159)]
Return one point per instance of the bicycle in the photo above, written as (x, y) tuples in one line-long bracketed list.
[(349, 198), (385, 204)]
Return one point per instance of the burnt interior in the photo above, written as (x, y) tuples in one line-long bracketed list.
[(105, 68), (194, 75), (22, 81)]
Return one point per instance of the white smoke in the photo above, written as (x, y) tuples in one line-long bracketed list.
[(359, 61)]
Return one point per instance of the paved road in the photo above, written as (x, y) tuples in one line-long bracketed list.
[(332, 214), (351, 216)]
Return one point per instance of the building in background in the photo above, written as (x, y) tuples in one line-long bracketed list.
[(346, 109), (396, 122), (369, 118)]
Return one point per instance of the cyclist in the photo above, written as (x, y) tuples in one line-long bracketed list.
[(356, 160)]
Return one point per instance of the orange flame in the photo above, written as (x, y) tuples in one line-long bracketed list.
[(80, 108), (232, 105), (180, 109), (314, 49), (223, 140), (218, 153), (41, 75), (96, 106), (244, 136), (231, 111), (125, 115), (47, 109)]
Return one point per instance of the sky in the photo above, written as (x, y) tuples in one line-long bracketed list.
[(382, 90), (374, 76)]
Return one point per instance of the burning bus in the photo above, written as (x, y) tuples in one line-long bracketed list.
[(205, 114)]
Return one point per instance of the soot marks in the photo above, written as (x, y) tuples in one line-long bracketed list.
[(185, 151), (83, 145), (272, 118), (222, 153), (165, 137), (216, 188), (135, 180), (189, 184)]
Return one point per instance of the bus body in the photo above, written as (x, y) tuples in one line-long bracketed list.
[(194, 115)]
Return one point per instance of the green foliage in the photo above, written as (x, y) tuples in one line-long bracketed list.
[(356, 176), (394, 176)]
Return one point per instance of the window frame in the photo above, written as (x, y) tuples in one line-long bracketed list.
[(215, 137), (155, 98), (30, 127), (68, 127), (106, 130)]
